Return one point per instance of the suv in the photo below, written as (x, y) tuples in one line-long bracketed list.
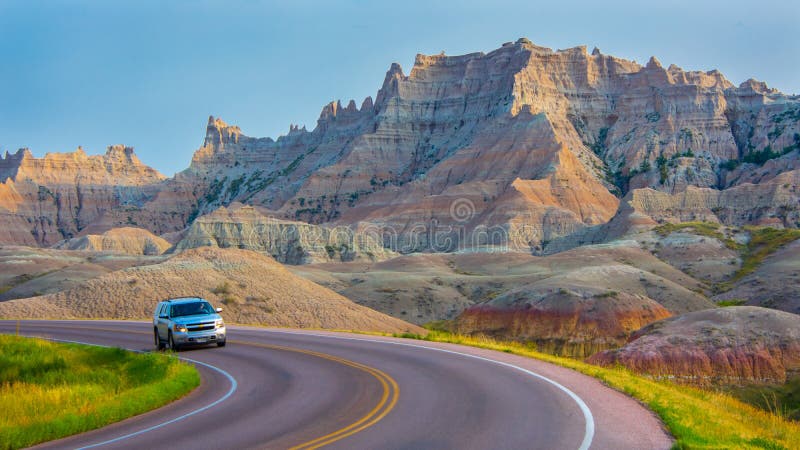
[(187, 321)]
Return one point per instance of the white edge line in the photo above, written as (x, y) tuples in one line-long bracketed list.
[(587, 413), (230, 392)]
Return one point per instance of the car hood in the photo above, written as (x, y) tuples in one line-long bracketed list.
[(197, 318)]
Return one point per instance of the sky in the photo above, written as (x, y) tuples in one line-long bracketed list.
[(148, 74)]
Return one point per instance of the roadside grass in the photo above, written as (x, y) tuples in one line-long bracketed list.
[(697, 418), (783, 400), (51, 390)]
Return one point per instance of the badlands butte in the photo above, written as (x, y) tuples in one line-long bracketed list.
[(586, 204)]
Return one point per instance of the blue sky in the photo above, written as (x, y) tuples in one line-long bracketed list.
[(148, 73)]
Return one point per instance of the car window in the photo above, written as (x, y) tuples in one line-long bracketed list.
[(191, 309)]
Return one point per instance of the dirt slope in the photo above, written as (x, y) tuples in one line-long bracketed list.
[(252, 288)]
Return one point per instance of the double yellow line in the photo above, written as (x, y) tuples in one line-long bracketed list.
[(391, 391)]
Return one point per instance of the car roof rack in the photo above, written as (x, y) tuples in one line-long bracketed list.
[(183, 298)]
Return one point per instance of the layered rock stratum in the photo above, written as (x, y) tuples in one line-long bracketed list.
[(290, 242), (733, 345), (45, 200), (516, 148)]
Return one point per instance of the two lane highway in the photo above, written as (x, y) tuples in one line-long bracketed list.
[(288, 388)]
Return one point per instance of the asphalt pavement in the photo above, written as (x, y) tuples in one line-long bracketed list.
[(277, 388)]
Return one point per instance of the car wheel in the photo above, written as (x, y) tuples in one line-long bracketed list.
[(157, 340), (220, 343), (171, 343)]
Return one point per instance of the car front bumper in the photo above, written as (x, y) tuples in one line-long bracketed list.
[(199, 337)]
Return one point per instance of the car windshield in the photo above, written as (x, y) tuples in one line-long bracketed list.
[(190, 309)]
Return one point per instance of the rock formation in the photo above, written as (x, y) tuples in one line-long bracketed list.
[(529, 143), (518, 148), (733, 345), (563, 321), (127, 240), (289, 242), (45, 200)]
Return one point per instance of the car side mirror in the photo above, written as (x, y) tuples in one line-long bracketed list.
[(219, 310), (163, 316)]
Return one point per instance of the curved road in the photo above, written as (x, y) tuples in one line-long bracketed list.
[(272, 388)]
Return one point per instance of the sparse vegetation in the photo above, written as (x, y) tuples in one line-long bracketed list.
[(732, 302), (706, 229), (759, 157), (697, 418), (51, 390), (223, 288), (609, 294), (763, 242)]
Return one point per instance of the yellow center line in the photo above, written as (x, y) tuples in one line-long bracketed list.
[(391, 391)]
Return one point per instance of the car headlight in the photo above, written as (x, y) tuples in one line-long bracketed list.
[(179, 328), (219, 324)]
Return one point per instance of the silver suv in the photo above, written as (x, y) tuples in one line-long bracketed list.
[(187, 321)]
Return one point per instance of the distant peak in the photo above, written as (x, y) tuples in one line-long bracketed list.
[(218, 132), (115, 150), (395, 69), (757, 86), (367, 103), (595, 51), (216, 123), (330, 110), (19, 155), (654, 63)]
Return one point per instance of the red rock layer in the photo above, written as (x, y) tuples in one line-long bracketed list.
[(580, 325), (731, 345)]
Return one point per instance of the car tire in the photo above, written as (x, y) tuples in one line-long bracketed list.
[(220, 343), (157, 340), (171, 343)]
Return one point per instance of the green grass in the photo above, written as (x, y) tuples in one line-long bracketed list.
[(697, 418), (783, 400), (732, 302), (763, 242), (51, 390), (706, 229)]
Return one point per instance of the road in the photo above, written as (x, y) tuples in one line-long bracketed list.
[(273, 388)]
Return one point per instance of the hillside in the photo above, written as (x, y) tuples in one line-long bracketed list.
[(252, 289), (126, 240), (731, 345)]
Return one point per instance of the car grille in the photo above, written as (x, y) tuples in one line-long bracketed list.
[(203, 326)]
